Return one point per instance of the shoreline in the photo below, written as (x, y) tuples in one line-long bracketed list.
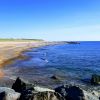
[(10, 51), (18, 49)]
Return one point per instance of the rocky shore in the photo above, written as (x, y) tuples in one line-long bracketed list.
[(22, 90), (25, 91)]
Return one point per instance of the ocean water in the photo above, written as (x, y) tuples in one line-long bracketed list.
[(72, 63)]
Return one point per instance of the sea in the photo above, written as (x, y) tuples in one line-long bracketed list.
[(70, 63)]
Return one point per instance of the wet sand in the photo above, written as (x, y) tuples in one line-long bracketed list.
[(13, 50)]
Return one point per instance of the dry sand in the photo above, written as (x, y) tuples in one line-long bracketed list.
[(11, 50)]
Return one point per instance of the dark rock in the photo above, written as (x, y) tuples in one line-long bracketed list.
[(75, 93), (2, 96), (19, 85), (55, 77), (26, 95), (32, 92), (29, 94), (95, 80), (62, 90)]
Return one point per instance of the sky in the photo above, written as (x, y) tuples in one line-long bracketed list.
[(52, 20)]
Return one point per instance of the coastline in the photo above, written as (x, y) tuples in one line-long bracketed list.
[(10, 51)]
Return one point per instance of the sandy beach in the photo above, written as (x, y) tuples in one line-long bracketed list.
[(12, 50)]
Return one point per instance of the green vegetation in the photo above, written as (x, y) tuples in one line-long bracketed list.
[(18, 40)]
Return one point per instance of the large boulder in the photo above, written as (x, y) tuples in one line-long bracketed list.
[(41, 96), (95, 80), (47, 96), (19, 85), (75, 93), (33, 92), (8, 94), (38, 93)]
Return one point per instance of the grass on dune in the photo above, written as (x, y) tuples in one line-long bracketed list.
[(19, 40)]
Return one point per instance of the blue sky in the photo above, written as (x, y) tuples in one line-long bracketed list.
[(50, 19)]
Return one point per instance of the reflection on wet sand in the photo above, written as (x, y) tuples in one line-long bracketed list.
[(10, 51)]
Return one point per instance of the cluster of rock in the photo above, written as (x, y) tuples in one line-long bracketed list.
[(95, 80), (24, 91), (76, 93)]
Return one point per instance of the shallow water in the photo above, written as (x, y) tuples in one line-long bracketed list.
[(71, 62)]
